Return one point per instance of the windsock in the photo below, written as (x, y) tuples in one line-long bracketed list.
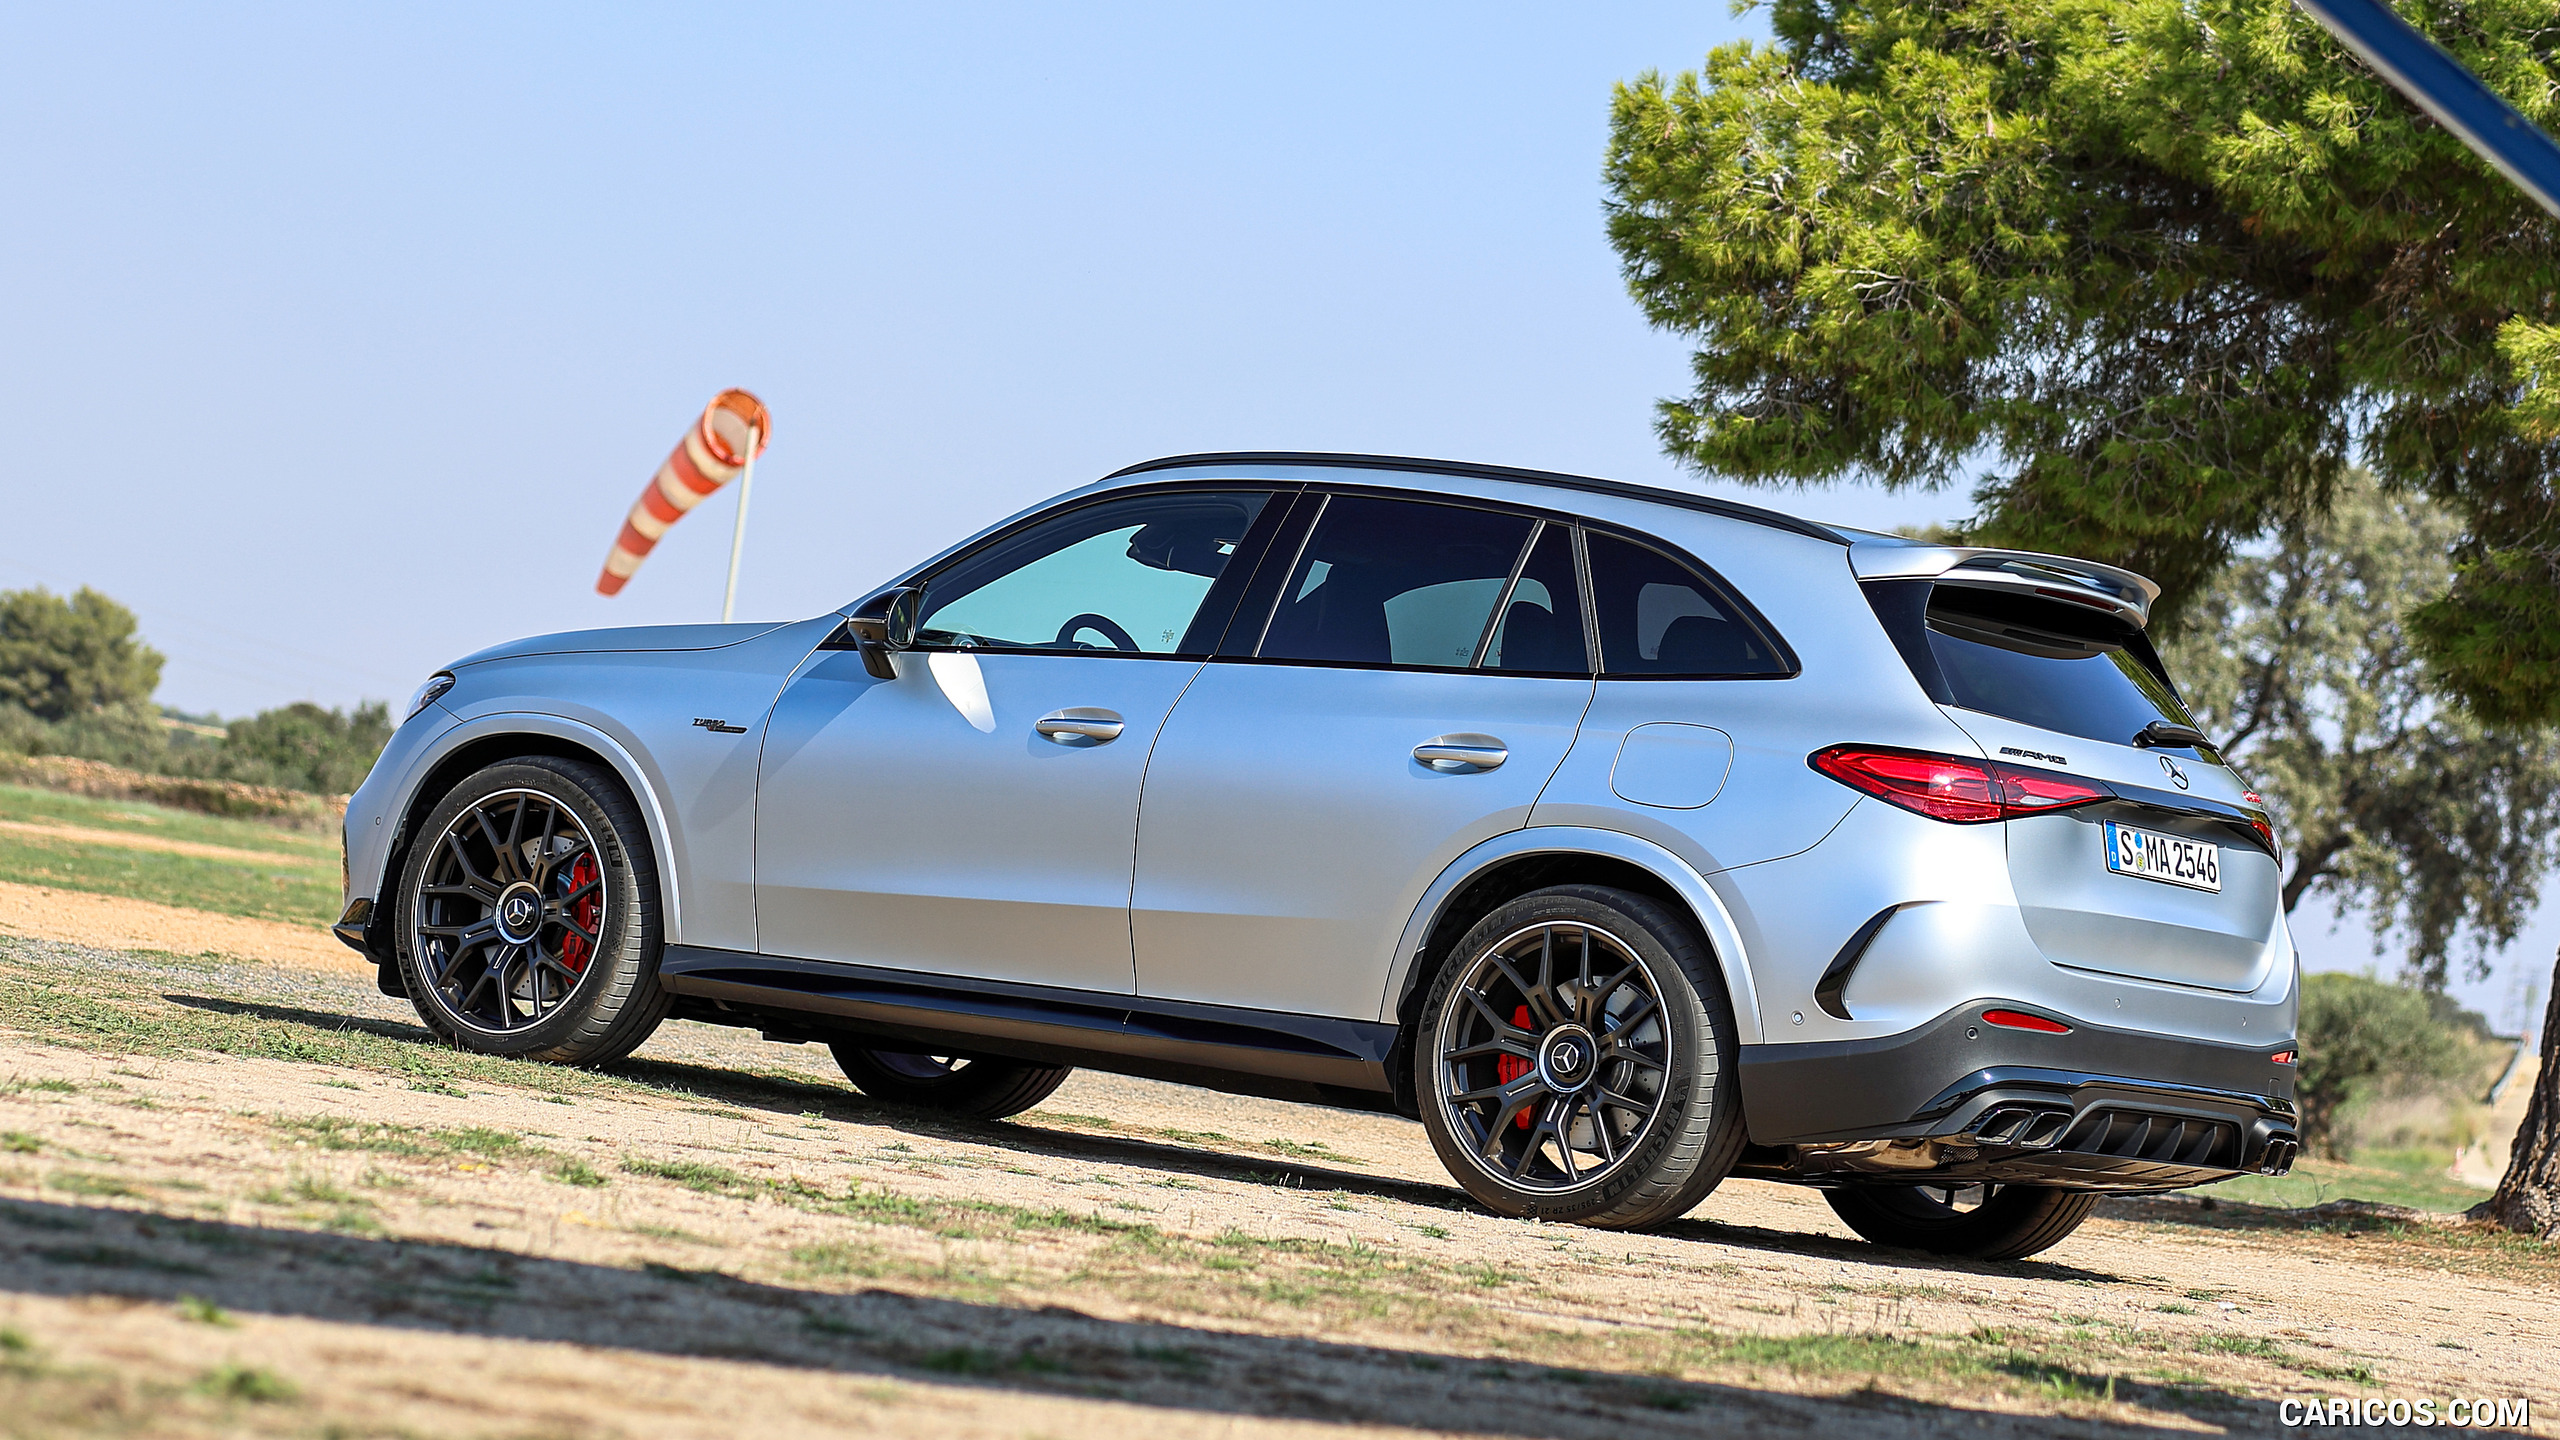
[(711, 453)]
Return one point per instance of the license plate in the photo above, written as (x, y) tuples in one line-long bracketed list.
[(2196, 864)]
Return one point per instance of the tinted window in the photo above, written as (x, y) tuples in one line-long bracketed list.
[(1540, 631), (1659, 617), (1125, 575), (2044, 664), (1395, 582)]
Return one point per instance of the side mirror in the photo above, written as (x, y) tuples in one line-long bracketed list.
[(886, 622)]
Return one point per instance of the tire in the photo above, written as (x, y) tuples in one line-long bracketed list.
[(1655, 1103), (2012, 1222), (954, 1085), (579, 984)]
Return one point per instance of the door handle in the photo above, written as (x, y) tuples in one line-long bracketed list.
[(1080, 725), (1458, 754)]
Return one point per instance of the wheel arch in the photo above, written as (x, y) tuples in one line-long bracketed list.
[(1523, 860), (488, 739)]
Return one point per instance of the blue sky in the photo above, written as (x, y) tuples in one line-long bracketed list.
[(337, 339)]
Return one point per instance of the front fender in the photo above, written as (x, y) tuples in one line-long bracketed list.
[(1724, 939), (399, 798)]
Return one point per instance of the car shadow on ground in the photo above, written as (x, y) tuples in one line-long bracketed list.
[(2335, 1216), (75, 1252), (786, 1096), (792, 1097)]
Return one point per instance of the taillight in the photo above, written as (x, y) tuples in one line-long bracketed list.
[(1947, 787), (2284, 1057), (2266, 829), (2021, 1020)]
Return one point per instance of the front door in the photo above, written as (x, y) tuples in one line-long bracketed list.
[(1306, 792), (977, 815)]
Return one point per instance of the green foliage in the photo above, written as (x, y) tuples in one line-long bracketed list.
[(2361, 1038), (231, 1380), (2534, 351), (61, 658), (2384, 797), (2163, 264), (304, 747), (76, 680), (2492, 634)]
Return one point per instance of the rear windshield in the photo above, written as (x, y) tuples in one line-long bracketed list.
[(2043, 663)]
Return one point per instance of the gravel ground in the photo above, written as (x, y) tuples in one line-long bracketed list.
[(251, 1198)]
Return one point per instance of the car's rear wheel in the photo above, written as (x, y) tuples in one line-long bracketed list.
[(528, 921), (1980, 1222), (1576, 1061), (958, 1085)]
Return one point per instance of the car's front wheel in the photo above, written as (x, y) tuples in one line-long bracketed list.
[(1980, 1222), (958, 1085), (1576, 1059), (528, 915)]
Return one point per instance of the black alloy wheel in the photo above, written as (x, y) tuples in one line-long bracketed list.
[(1555, 1057), (1577, 1062), (528, 915), (971, 1088), (1978, 1221)]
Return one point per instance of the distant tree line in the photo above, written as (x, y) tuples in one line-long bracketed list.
[(76, 679)]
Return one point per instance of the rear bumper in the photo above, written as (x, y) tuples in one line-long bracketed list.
[(1958, 1101)]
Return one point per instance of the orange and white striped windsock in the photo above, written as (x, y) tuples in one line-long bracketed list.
[(709, 456)]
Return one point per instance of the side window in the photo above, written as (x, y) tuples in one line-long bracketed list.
[(1540, 630), (1659, 617), (1124, 575), (1395, 582)]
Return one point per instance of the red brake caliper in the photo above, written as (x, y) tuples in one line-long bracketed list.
[(1507, 1068), (573, 947)]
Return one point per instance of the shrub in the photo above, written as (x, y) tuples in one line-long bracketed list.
[(304, 747), (2362, 1039), (64, 657)]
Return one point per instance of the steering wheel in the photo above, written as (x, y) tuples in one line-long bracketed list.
[(1108, 628)]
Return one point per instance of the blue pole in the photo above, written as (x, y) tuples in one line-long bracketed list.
[(2421, 70)]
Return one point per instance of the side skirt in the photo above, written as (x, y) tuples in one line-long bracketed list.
[(1311, 1059)]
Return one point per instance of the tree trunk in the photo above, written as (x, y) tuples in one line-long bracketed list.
[(2528, 1198)]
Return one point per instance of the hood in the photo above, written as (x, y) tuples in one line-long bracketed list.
[(627, 637)]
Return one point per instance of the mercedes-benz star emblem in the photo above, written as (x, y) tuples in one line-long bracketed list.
[(2177, 776), (519, 910), (1568, 1057)]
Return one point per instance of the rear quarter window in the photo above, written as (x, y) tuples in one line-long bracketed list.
[(1659, 617)]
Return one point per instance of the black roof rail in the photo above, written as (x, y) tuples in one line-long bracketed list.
[(1706, 504)]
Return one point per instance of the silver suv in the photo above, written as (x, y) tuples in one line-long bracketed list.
[(1626, 838)]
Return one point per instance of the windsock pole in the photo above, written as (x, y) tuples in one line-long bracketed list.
[(738, 536)]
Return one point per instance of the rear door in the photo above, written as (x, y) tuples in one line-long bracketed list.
[(2170, 881), (1419, 680)]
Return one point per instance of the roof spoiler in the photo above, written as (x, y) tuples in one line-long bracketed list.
[(2121, 593)]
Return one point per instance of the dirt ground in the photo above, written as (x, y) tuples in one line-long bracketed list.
[(240, 1193)]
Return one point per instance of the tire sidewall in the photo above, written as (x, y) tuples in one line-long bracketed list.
[(1697, 1051), (625, 958), (2014, 1222), (987, 1088)]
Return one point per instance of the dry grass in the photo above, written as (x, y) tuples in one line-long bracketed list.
[(206, 1164)]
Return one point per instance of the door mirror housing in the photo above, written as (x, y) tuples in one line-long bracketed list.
[(880, 625)]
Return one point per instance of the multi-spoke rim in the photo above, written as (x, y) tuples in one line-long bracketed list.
[(1554, 1050), (510, 909)]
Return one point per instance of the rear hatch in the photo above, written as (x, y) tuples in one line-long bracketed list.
[(2047, 665)]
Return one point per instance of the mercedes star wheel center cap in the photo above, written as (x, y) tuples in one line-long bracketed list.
[(519, 914), (1566, 1057)]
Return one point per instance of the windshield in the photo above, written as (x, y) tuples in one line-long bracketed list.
[(2049, 665)]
